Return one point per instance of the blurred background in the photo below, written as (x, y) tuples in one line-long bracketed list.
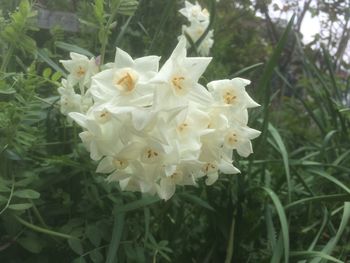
[(289, 204)]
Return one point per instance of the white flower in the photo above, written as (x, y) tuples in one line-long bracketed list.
[(199, 21), (80, 69), (231, 93), (239, 137), (194, 12), (195, 31), (177, 81), (69, 100), (127, 81)]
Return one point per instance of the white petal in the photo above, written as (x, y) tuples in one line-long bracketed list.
[(166, 188), (149, 63), (211, 178), (245, 148), (123, 59), (105, 165), (228, 168)]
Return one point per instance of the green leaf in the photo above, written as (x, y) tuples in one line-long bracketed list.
[(73, 48), (42, 54), (76, 246), (283, 220), (7, 90), (314, 254), (282, 148), (47, 73), (31, 244), (79, 260), (144, 201), (96, 256), (196, 200), (128, 7), (23, 206), (264, 92), (94, 235), (4, 189), (117, 232), (329, 247), (27, 193)]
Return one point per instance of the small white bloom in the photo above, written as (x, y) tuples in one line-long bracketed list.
[(126, 82), (177, 81), (231, 93), (80, 68), (194, 12)]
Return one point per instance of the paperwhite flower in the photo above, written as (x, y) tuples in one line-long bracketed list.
[(126, 82), (153, 130), (80, 69), (177, 81), (195, 31), (199, 21), (231, 93), (69, 100), (194, 12)]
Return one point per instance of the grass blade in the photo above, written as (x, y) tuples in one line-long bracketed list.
[(118, 227), (283, 220), (73, 48), (282, 148)]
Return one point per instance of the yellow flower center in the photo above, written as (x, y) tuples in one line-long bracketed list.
[(182, 127), (120, 164), (209, 167), (125, 80), (104, 116), (229, 97), (178, 85), (80, 72), (231, 139), (150, 155)]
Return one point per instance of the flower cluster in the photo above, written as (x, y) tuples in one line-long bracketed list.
[(153, 129), (199, 21)]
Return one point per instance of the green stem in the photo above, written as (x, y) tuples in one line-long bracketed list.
[(42, 230), (7, 58), (106, 32), (10, 197), (229, 250), (37, 214)]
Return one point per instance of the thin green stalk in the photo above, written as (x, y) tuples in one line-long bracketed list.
[(10, 197), (37, 214), (106, 31), (42, 230), (7, 58), (229, 250)]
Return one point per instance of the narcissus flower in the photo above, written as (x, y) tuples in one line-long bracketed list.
[(153, 130), (199, 21)]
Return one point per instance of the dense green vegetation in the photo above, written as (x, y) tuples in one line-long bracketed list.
[(291, 202)]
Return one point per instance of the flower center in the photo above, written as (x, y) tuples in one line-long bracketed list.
[(125, 80), (209, 168), (150, 156), (80, 72), (182, 127), (178, 85), (120, 164), (229, 97), (231, 139), (103, 116), (177, 176)]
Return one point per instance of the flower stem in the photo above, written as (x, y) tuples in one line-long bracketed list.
[(42, 230)]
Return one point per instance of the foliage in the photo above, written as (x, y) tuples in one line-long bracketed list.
[(290, 203)]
